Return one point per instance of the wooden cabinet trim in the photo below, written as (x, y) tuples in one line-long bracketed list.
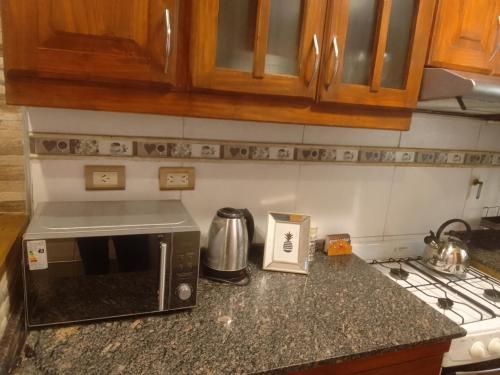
[(68, 94), (389, 363)]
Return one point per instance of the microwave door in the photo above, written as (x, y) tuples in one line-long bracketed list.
[(95, 278)]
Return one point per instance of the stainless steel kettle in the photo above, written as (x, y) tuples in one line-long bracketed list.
[(229, 238), (448, 255)]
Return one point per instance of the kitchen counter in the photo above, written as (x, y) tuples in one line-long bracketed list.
[(486, 260), (344, 309)]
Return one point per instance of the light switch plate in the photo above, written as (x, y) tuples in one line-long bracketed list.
[(104, 177), (176, 178)]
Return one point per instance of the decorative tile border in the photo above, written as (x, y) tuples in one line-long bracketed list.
[(42, 144)]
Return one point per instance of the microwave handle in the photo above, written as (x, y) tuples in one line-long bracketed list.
[(163, 263)]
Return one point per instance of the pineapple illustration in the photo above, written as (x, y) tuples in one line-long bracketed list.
[(288, 245)]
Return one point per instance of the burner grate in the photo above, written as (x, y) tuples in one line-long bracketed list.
[(445, 303), (466, 298), (492, 294), (399, 273)]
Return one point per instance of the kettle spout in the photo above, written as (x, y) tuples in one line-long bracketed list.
[(431, 240)]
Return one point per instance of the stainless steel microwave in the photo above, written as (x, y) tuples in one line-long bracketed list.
[(85, 261)]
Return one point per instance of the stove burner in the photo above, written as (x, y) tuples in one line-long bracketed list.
[(492, 294), (445, 303), (399, 273)]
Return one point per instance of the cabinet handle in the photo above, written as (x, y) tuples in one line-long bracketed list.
[(168, 39), (497, 42), (335, 51), (316, 58)]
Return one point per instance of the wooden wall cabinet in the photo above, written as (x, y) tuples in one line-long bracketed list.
[(373, 53), (467, 36), (111, 41), (254, 60), (257, 46)]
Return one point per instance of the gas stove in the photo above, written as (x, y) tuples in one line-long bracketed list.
[(472, 300)]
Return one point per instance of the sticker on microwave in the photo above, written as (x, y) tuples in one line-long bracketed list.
[(37, 255)]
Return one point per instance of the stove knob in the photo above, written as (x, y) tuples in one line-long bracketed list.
[(478, 350), (494, 346), (184, 291)]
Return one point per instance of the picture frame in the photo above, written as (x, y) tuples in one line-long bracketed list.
[(287, 243)]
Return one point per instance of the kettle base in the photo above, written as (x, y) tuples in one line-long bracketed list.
[(240, 277)]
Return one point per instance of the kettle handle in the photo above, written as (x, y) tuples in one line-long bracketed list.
[(468, 234), (250, 224)]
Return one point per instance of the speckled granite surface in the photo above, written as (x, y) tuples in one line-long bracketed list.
[(487, 258), (344, 309)]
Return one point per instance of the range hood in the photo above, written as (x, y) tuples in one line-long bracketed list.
[(456, 92)]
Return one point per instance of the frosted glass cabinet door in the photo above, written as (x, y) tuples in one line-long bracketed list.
[(270, 47), (358, 53), (374, 51), (236, 34), (398, 44), (285, 23)]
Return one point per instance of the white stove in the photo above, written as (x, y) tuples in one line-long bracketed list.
[(472, 300)]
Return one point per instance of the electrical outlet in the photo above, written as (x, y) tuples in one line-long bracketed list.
[(104, 177), (176, 178)]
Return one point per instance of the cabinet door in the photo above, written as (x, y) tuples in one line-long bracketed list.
[(257, 46), (374, 51), (466, 35), (112, 40)]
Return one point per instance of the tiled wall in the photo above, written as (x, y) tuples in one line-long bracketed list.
[(363, 200), (12, 185)]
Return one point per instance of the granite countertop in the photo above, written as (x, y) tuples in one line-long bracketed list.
[(487, 258), (344, 309)]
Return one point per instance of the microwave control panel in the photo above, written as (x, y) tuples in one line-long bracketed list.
[(185, 260)]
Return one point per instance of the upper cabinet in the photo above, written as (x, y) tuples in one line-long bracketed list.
[(374, 51), (257, 46), (112, 41), (467, 36)]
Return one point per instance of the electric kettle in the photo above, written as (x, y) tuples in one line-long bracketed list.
[(448, 255), (229, 238)]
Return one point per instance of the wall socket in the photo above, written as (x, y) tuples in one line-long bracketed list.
[(104, 177), (176, 178)]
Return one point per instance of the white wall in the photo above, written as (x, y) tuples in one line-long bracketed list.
[(365, 201)]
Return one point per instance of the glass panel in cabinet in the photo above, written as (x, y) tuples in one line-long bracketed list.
[(285, 25), (235, 34), (401, 24), (358, 50)]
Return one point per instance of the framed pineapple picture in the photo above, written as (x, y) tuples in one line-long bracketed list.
[(287, 243)]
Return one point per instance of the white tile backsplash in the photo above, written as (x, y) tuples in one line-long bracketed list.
[(197, 128), (48, 120), (63, 180), (489, 192), (446, 132), (489, 138), (260, 188), (350, 137), (343, 199), (423, 198), (369, 202)]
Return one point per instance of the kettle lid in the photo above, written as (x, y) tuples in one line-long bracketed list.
[(230, 213)]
